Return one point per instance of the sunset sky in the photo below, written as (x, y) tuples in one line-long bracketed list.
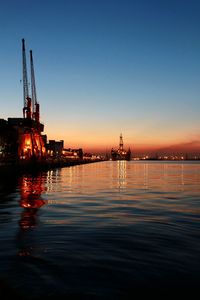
[(107, 67)]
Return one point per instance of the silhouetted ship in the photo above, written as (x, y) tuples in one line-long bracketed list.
[(121, 153)]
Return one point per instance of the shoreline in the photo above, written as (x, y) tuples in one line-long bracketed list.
[(34, 167)]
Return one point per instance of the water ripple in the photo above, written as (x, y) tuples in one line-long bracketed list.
[(101, 230)]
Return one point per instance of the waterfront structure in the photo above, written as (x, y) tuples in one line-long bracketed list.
[(21, 138), (54, 148), (121, 153), (72, 153)]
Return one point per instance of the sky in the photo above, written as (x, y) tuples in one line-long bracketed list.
[(106, 67)]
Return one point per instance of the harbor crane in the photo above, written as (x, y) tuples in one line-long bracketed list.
[(31, 109)]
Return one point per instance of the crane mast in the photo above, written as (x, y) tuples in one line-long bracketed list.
[(36, 107), (27, 99)]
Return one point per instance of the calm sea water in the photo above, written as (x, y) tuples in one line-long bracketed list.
[(101, 230)]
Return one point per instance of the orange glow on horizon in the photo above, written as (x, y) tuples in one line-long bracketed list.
[(101, 141)]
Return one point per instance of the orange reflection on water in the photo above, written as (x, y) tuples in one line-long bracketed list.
[(121, 168), (31, 188)]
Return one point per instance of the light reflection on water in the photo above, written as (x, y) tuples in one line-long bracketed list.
[(108, 190), (101, 229)]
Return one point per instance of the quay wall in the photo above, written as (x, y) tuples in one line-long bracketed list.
[(35, 166)]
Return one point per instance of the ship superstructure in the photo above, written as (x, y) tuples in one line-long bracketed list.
[(121, 153)]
